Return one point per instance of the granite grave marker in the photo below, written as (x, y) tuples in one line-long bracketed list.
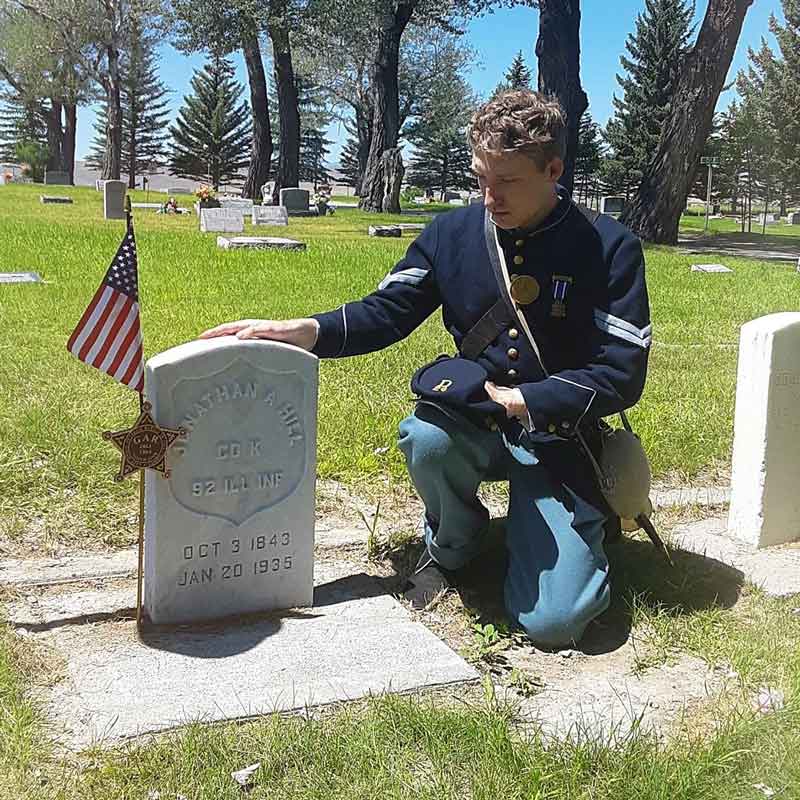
[(114, 199), (221, 220)]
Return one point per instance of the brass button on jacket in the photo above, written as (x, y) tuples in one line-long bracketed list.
[(519, 260), (512, 373), (519, 242), (513, 353), (513, 333)]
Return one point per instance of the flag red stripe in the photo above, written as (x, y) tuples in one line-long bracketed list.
[(124, 348), (118, 322), (86, 314), (135, 361), (110, 304)]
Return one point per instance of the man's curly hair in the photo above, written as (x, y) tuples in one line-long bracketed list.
[(520, 122)]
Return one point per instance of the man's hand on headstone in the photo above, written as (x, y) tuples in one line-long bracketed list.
[(299, 332), (511, 399)]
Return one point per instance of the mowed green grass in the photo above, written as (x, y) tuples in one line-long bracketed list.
[(56, 471)]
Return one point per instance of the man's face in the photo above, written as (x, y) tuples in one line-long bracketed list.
[(516, 192)]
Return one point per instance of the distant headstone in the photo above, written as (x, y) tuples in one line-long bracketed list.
[(20, 277), (56, 178), (386, 230), (231, 531), (766, 219), (793, 218), (296, 201), (98, 184), (114, 199), (270, 215), (221, 220), (240, 204), (710, 268), (258, 243), (765, 501), (612, 205), (46, 199)]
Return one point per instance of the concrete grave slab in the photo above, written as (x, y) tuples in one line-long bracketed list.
[(48, 198), (258, 243), (232, 529), (386, 230), (710, 268), (356, 641), (146, 205), (410, 226), (775, 569), (765, 502), (20, 277)]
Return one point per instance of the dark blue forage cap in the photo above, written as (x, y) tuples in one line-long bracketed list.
[(457, 383)]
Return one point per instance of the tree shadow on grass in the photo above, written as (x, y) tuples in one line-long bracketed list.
[(637, 570)]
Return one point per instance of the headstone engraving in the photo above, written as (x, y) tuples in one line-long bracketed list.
[(56, 178), (221, 220), (114, 199), (765, 501), (231, 531), (270, 215), (258, 243)]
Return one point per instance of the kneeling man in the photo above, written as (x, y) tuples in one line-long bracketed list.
[(550, 315)]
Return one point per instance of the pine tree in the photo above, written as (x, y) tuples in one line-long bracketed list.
[(21, 120), (442, 156), (314, 119), (517, 76), (145, 112), (349, 165), (657, 49), (211, 135), (588, 157)]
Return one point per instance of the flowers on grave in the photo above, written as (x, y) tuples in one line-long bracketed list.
[(206, 196), (321, 199), (8, 177)]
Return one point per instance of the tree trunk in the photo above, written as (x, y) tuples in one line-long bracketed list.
[(393, 171), (385, 104), (288, 111), (55, 138), (261, 153), (112, 163), (558, 50), (364, 133), (655, 211), (70, 134)]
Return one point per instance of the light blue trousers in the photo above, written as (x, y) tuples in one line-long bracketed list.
[(557, 579)]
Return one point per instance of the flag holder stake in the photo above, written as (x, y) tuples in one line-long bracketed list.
[(143, 446)]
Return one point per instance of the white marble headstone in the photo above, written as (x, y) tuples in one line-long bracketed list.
[(232, 529), (270, 215), (221, 220), (240, 204), (765, 498)]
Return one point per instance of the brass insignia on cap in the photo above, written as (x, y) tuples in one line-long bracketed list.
[(524, 289)]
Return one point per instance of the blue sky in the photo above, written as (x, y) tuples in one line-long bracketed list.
[(497, 38)]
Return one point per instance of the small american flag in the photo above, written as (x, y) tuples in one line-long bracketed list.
[(109, 335)]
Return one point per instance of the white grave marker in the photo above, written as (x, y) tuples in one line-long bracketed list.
[(765, 500), (710, 268), (20, 277), (231, 530), (270, 215), (240, 204), (221, 220), (258, 243)]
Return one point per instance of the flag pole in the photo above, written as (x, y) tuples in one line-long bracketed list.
[(140, 567)]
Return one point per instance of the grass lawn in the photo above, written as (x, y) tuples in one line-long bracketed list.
[(693, 224), (55, 470), (56, 481)]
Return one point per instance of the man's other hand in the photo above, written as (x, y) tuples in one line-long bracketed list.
[(511, 399), (299, 332)]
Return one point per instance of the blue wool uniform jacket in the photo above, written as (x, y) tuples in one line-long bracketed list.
[(591, 320)]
